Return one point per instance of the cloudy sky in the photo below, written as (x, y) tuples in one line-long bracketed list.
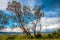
[(51, 7), (51, 10)]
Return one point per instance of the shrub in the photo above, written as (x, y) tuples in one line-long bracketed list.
[(50, 35), (11, 37)]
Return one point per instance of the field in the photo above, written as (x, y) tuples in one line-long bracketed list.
[(24, 37)]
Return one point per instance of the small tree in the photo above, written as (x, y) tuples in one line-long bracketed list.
[(15, 7), (38, 14)]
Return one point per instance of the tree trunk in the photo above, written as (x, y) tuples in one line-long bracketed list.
[(40, 25), (34, 32), (25, 31), (22, 27)]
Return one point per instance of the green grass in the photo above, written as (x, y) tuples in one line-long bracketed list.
[(24, 37)]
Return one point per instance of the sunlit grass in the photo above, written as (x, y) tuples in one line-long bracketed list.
[(25, 37)]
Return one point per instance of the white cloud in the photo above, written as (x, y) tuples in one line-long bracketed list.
[(49, 21), (3, 4), (50, 28), (52, 13), (16, 29), (53, 26)]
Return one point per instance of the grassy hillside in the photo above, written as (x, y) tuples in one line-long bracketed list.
[(24, 37)]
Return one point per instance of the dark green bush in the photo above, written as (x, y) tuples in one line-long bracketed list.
[(50, 36), (11, 37)]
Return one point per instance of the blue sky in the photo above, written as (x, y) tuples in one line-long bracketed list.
[(51, 9), (49, 5)]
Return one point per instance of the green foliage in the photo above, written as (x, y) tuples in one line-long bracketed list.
[(11, 37), (58, 30), (56, 34), (25, 37), (50, 35)]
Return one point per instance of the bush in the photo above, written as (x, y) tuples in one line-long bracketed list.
[(11, 37), (38, 35), (56, 34), (50, 35)]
